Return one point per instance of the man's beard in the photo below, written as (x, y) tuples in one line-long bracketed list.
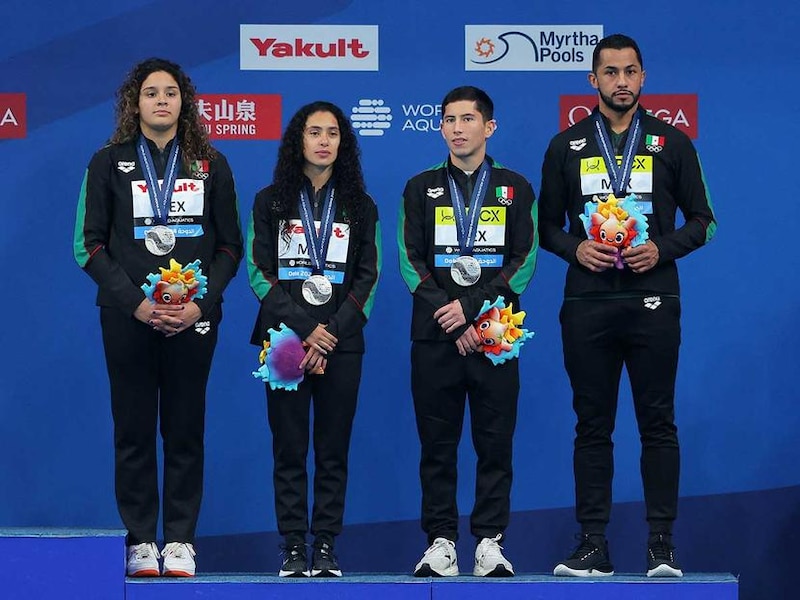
[(618, 106)]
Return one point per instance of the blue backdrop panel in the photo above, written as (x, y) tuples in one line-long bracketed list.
[(737, 407)]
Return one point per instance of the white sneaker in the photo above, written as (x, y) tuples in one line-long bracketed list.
[(178, 560), (142, 560), (439, 560), (489, 559)]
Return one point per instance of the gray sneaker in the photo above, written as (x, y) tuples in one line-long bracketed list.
[(489, 559), (439, 560)]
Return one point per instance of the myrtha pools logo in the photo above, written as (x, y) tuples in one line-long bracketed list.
[(530, 47)]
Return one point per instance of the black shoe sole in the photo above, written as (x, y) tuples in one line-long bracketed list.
[(499, 571), (426, 571)]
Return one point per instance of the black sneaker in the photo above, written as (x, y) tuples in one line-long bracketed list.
[(661, 557), (588, 560), (324, 563), (295, 563)]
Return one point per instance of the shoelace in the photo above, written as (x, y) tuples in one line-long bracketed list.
[(662, 549), (291, 552), (178, 550), (585, 548), (491, 545), (439, 543), (325, 551), (142, 551)]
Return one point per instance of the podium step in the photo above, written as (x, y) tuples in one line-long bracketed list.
[(60, 564), (695, 586)]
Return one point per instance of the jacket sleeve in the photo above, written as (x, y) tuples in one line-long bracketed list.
[(553, 208), (694, 201), (227, 232), (277, 306), (353, 313), (413, 250), (93, 225), (518, 270)]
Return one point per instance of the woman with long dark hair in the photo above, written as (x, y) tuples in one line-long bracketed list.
[(158, 231), (314, 256)]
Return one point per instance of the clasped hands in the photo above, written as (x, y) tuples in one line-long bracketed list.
[(450, 317), (169, 319), (598, 257), (319, 343)]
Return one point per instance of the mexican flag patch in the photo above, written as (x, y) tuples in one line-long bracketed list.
[(504, 191), (655, 140), (199, 169)]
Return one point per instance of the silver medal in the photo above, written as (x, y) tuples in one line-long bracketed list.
[(465, 270), (317, 290), (159, 240)]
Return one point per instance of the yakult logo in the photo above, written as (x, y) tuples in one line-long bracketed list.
[(530, 47), (679, 110), (308, 47)]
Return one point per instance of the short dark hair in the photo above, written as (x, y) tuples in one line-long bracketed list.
[(616, 41), (482, 101)]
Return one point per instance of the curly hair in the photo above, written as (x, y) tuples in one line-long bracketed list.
[(288, 178), (192, 136)]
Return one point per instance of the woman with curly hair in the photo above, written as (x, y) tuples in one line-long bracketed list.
[(314, 256), (158, 230)]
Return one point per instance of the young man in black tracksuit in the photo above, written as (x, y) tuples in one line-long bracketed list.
[(438, 257), (631, 316)]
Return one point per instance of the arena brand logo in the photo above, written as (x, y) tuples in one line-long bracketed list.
[(530, 47), (652, 302), (241, 116), (308, 47), (679, 110), (13, 123), (371, 117)]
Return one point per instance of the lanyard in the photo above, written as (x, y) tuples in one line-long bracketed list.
[(318, 244), (468, 231), (160, 196), (619, 175)]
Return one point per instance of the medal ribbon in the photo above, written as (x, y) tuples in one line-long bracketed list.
[(318, 244), (160, 196), (467, 232), (619, 175)]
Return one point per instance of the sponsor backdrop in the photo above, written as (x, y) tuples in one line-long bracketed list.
[(721, 73)]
